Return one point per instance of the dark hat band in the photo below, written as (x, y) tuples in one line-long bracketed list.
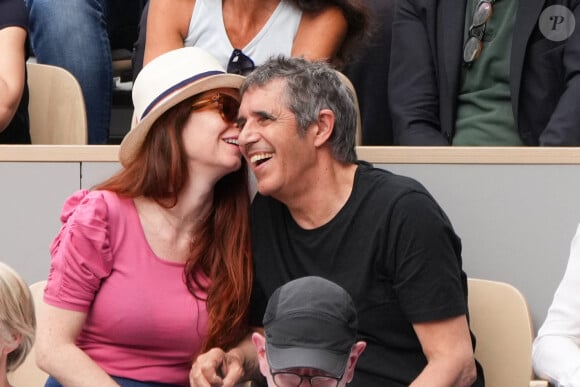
[(176, 87)]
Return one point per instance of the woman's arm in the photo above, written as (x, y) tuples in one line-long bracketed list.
[(167, 26), (320, 34), (57, 353), (12, 69)]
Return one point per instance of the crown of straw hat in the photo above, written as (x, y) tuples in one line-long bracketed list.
[(163, 83)]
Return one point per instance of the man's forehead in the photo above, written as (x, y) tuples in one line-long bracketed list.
[(274, 86), (266, 98)]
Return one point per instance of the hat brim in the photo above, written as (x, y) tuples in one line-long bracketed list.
[(133, 140), (281, 358)]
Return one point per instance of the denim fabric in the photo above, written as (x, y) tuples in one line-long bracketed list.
[(73, 34), (123, 382)]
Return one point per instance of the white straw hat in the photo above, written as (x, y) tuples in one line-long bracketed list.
[(163, 83)]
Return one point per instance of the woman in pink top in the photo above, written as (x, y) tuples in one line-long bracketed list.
[(153, 266)]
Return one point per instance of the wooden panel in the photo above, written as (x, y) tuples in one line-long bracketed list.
[(515, 209), (383, 154)]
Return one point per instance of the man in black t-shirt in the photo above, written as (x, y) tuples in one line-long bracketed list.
[(382, 237)]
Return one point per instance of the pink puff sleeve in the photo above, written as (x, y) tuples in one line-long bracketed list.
[(81, 252)]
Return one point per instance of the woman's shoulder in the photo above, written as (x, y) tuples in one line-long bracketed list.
[(92, 205)]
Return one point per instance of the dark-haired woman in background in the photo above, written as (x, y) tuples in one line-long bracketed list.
[(243, 34)]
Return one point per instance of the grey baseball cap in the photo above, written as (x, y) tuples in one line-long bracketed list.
[(310, 322)]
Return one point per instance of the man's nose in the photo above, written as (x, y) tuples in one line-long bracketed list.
[(247, 136)]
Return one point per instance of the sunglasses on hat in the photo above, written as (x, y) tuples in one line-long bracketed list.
[(227, 105), (240, 63)]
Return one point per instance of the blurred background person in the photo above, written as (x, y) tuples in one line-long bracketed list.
[(368, 71), (14, 125), (556, 350), (486, 73), (78, 35), (243, 34), (17, 321)]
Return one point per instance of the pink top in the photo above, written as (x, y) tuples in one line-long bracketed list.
[(142, 323)]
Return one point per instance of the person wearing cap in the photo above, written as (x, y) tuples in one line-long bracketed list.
[(382, 237), (310, 327), (152, 266)]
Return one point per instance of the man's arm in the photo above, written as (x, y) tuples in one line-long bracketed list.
[(413, 91), (447, 347), (12, 70), (227, 368), (431, 289)]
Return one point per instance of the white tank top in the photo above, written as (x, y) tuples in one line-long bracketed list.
[(207, 30)]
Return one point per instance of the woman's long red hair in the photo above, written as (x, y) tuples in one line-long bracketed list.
[(222, 245)]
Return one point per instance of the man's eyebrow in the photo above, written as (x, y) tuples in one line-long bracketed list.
[(261, 114), (264, 115)]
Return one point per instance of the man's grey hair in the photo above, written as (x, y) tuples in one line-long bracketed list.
[(309, 88)]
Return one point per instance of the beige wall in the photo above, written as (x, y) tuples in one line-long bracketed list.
[(516, 209)]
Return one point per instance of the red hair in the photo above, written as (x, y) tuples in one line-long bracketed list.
[(222, 249)]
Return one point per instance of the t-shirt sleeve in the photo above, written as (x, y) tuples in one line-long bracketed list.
[(81, 253), (13, 13), (428, 278)]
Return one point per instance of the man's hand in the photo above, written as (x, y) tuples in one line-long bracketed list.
[(216, 368)]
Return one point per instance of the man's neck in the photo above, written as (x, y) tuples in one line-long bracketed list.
[(327, 192)]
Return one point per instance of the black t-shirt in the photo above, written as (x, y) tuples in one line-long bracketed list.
[(14, 13), (391, 246)]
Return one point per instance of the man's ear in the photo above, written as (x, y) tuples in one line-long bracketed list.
[(260, 343), (324, 127), (355, 353)]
